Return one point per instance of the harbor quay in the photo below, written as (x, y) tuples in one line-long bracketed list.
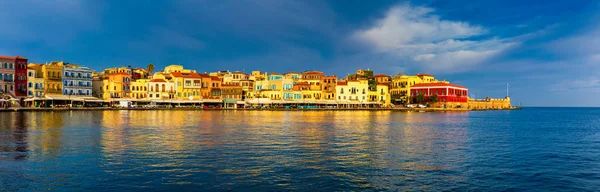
[(60, 85)]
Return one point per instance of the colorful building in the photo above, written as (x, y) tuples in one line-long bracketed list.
[(117, 86), (382, 78), (328, 87), (187, 85), (445, 92), (313, 78), (400, 85), (215, 87), (7, 75), (35, 83), (161, 89), (139, 89), (381, 95), (353, 90), (77, 80), (20, 76), (231, 94), (52, 73)]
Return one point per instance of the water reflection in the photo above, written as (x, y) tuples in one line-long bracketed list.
[(249, 150)]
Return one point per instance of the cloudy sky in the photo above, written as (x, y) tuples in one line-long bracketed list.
[(548, 51)]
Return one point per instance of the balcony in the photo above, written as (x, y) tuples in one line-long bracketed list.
[(76, 86), (81, 77), (55, 78)]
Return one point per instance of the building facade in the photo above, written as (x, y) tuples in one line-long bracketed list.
[(353, 90), (20, 76), (52, 73), (188, 85), (35, 84), (139, 89), (445, 92), (117, 86), (7, 75), (77, 80)]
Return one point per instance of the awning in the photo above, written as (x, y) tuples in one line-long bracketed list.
[(241, 102), (230, 100), (58, 97), (212, 100)]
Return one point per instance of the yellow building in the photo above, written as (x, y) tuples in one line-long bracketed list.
[(188, 86), (400, 87), (177, 68), (117, 86), (353, 90), (139, 89), (380, 95), (52, 74)]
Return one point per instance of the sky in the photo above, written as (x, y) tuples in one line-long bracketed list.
[(547, 51)]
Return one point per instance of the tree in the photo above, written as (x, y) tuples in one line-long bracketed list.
[(150, 68), (433, 98), (420, 98)]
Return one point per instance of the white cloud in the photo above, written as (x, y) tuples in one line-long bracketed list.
[(415, 36)]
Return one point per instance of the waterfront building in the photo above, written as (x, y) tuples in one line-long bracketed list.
[(7, 75), (328, 87), (381, 95), (205, 90), (52, 73), (353, 90), (162, 86), (178, 69), (257, 76), (161, 89), (293, 75), (215, 87), (97, 86), (187, 85), (139, 88), (382, 78), (401, 85), (313, 78), (76, 80), (35, 83), (140, 73), (235, 77), (117, 86), (445, 92), (231, 94), (20, 64)]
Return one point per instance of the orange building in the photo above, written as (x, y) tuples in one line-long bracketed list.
[(117, 85)]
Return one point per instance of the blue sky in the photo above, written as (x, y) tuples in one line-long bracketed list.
[(549, 51)]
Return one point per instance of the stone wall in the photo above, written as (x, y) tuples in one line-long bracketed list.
[(488, 103)]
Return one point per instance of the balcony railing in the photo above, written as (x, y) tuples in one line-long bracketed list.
[(76, 85)]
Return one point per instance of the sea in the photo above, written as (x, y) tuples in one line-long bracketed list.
[(533, 149)]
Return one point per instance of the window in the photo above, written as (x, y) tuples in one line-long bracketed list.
[(30, 84)]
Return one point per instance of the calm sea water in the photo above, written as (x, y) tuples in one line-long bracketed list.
[(533, 149)]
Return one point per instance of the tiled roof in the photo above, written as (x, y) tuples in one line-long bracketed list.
[(12, 57), (381, 75), (342, 83), (158, 80), (186, 75), (313, 72), (204, 75), (436, 85), (214, 78)]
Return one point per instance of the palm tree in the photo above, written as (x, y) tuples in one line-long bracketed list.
[(150, 68)]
